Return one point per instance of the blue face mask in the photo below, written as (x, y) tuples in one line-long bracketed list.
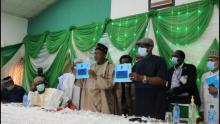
[(40, 87), (211, 65), (174, 60), (142, 51)]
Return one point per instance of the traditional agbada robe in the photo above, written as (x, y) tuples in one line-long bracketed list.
[(51, 98), (97, 94)]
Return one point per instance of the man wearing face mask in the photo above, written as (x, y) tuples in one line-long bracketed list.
[(210, 93), (182, 81), (41, 74), (97, 91), (11, 92), (149, 76), (39, 95)]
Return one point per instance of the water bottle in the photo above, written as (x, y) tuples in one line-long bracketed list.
[(176, 114), (192, 112), (25, 100), (212, 114)]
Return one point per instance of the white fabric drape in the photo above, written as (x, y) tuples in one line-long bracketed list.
[(11, 64), (44, 59)]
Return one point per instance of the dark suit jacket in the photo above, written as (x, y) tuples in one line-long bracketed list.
[(190, 87), (14, 95)]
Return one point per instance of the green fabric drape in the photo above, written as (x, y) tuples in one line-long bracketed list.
[(57, 65), (8, 52), (28, 73), (163, 48), (184, 24), (86, 37), (72, 52), (133, 53), (124, 31), (202, 68), (33, 44), (55, 39)]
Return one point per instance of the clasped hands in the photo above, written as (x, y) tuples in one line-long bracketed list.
[(136, 77)]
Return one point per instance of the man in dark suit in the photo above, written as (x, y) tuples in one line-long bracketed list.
[(11, 92), (182, 80)]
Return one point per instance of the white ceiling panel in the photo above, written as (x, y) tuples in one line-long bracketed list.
[(25, 8)]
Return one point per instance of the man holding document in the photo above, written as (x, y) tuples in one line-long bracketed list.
[(149, 76), (97, 90), (209, 91)]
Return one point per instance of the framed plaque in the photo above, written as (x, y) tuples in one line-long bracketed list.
[(157, 4)]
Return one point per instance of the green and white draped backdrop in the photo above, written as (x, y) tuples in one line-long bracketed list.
[(173, 28)]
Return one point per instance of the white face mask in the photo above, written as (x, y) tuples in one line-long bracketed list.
[(211, 65), (142, 51), (174, 60)]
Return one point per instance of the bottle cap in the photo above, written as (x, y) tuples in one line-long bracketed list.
[(192, 99)]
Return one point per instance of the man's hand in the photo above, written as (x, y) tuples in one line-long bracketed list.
[(92, 74), (213, 90), (136, 77)]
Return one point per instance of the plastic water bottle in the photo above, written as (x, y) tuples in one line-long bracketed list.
[(25, 100), (192, 112), (176, 114), (212, 114)]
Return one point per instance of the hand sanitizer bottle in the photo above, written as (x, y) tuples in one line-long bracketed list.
[(192, 112)]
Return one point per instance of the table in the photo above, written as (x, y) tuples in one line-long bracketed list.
[(18, 114)]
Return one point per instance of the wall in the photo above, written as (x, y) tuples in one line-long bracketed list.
[(13, 29), (66, 13), (122, 8)]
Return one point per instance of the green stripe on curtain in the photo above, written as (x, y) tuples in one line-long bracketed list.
[(55, 40), (8, 52), (86, 37), (133, 53), (122, 32), (33, 44), (184, 24), (163, 48), (56, 68)]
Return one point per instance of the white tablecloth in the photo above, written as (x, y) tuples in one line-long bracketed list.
[(18, 114)]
